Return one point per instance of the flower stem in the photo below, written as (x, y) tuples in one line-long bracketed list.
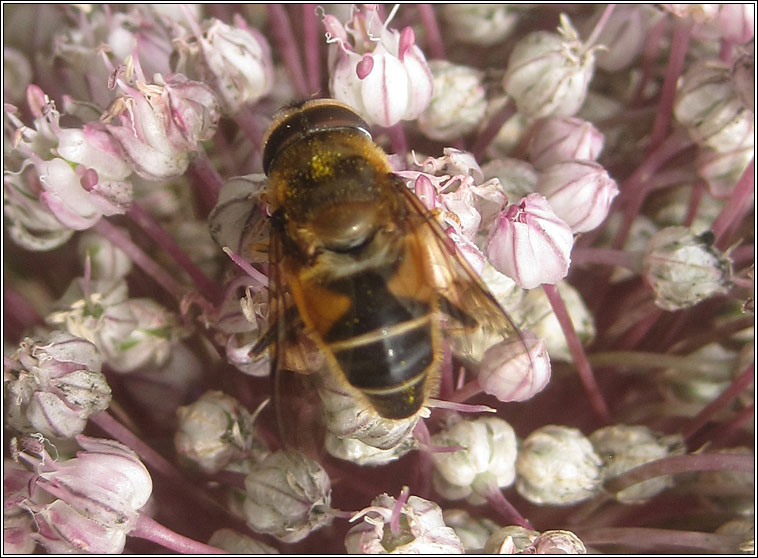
[(432, 31), (490, 132), (645, 361), (207, 181), (735, 388), (736, 207), (606, 256), (577, 352), (645, 537), (285, 40), (312, 51), (679, 45), (138, 256), (675, 464), (637, 186), (149, 529), (147, 454), (166, 241), (592, 39), (501, 504)]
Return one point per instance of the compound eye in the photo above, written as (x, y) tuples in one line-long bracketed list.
[(296, 123)]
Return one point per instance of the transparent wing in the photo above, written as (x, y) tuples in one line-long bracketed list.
[(476, 320), (296, 402)]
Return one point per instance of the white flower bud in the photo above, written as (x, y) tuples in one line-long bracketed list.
[(518, 178), (623, 36), (580, 193), (458, 103), (53, 385), (510, 539), (234, 60), (422, 529), (709, 107), (558, 542), (683, 269), (480, 24), (624, 447), (472, 531), (213, 431), (237, 543), (556, 465), (288, 496), (743, 78), (531, 244), (29, 222), (549, 73), (355, 451), (722, 169), (564, 138), (486, 460), (516, 369)]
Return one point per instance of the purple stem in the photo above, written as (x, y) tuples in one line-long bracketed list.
[(502, 506), (142, 260), (649, 58), (637, 186), (604, 17), (675, 464), (432, 30), (737, 206), (679, 45), (149, 529), (397, 139), (605, 256), (312, 48), (488, 134), (152, 458), (207, 181), (16, 305), (285, 40), (722, 437), (164, 240), (577, 352), (645, 537), (735, 388)]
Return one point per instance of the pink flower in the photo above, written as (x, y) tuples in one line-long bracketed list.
[(580, 193), (530, 243), (162, 123), (516, 369), (563, 138), (381, 72)]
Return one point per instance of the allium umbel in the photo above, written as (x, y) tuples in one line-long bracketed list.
[(609, 162)]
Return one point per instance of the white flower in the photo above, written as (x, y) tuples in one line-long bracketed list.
[(549, 73), (557, 465), (486, 460), (287, 496), (531, 244), (381, 72), (684, 269), (422, 529), (624, 447)]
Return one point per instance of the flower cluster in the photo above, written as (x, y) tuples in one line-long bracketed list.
[(588, 169)]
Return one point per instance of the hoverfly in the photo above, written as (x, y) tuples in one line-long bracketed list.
[(358, 266)]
